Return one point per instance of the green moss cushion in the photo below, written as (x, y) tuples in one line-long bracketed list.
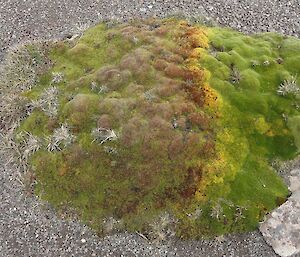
[(166, 122)]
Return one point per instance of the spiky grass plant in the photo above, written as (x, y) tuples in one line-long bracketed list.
[(149, 96), (289, 86), (48, 101), (60, 139), (16, 159), (57, 77), (100, 89), (29, 144), (111, 225), (103, 135), (10, 148), (13, 109), (235, 75), (217, 211), (19, 72), (239, 213), (22, 66), (18, 149), (163, 228), (196, 214)]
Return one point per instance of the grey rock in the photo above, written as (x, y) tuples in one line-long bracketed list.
[(281, 228)]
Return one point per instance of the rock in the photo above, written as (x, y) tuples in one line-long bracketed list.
[(282, 227), (294, 180)]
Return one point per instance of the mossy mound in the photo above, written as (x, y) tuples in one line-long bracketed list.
[(166, 122)]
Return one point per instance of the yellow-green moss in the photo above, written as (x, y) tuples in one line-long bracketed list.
[(196, 118)]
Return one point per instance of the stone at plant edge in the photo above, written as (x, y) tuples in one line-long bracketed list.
[(282, 227)]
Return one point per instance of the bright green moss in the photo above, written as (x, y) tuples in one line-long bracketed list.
[(193, 128), (79, 111), (37, 124), (294, 125), (259, 113), (250, 80)]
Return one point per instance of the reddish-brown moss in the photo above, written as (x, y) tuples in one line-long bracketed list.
[(160, 64), (174, 71), (155, 100)]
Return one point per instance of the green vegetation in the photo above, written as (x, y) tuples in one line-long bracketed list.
[(161, 127)]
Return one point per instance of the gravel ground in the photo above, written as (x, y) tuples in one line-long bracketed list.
[(31, 228), (29, 19)]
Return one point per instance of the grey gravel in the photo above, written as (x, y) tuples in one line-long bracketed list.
[(29, 227), (22, 20)]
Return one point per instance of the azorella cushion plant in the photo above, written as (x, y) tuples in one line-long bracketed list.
[(164, 127)]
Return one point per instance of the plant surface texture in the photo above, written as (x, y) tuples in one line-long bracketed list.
[(164, 127)]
